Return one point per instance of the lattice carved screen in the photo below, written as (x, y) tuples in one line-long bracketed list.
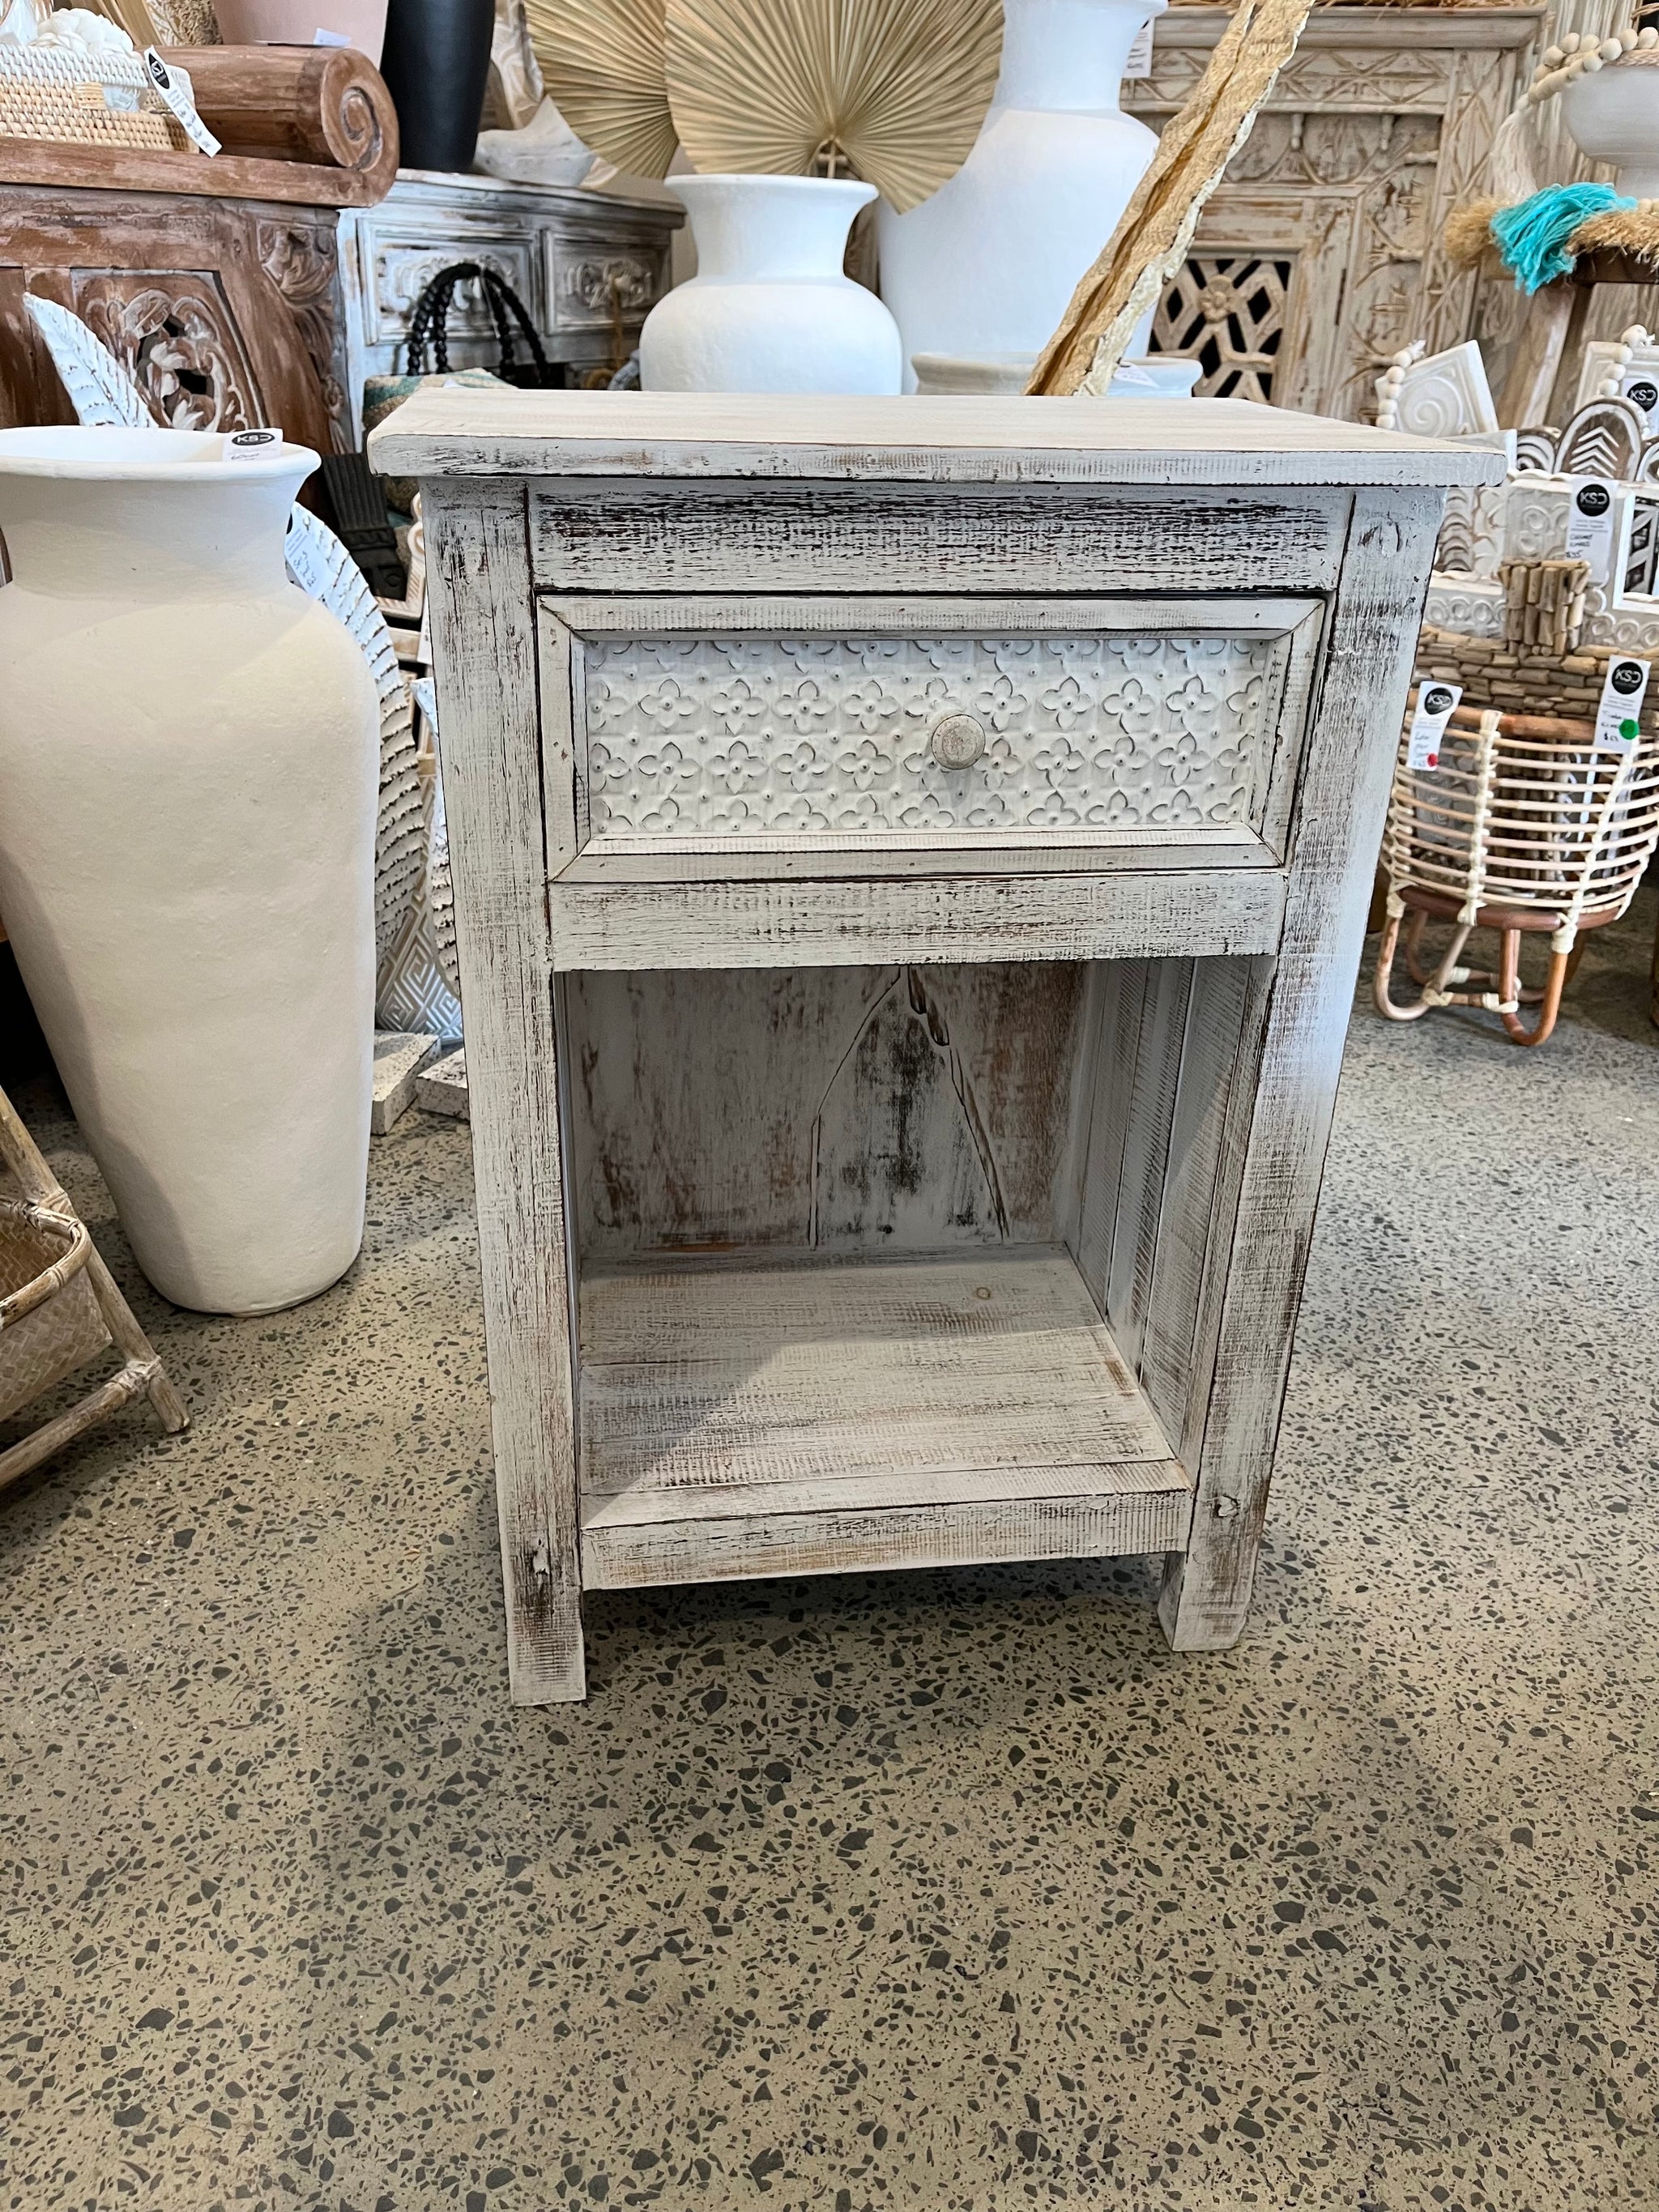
[(1229, 311)]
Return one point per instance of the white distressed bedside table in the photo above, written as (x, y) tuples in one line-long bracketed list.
[(911, 859)]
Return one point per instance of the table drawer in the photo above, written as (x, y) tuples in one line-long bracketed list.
[(715, 736)]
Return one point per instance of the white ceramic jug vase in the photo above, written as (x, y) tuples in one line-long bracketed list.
[(188, 762), (989, 263), (1614, 116), (769, 308)]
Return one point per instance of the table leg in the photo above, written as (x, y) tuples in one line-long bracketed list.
[(1553, 326), (1283, 1101), (484, 660)]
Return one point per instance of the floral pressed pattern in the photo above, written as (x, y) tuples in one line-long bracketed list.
[(754, 734)]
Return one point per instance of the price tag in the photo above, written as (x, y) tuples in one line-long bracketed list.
[(1434, 704), (306, 563), (1590, 524), (1619, 717), (248, 444), (1642, 390), (179, 102), (1140, 61)]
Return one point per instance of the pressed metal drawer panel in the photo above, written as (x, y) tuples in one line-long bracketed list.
[(1028, 727)]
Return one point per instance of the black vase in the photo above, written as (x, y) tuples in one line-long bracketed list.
[(435, 62)]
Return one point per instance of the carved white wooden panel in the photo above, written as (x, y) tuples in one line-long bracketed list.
[(1471, 606), (758, 734), (1445, 395)]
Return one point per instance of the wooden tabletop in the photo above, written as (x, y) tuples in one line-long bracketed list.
[(459, 433)]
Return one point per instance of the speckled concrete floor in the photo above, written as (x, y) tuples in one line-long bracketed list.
[(949, 1891)]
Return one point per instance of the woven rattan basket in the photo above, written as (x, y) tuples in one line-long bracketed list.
[(59, 1307), (50, 1323), (1522, 825), (81, 99)]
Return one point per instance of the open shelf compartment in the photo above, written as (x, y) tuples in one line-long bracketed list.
[(798, 1415), (897, 1265)]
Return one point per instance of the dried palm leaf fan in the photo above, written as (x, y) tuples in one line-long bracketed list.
[(602, 62), (893, 91)]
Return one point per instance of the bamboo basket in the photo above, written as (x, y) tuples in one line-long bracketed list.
[(59, 1307), (50, 1323), (79, 98), (1522, 826)]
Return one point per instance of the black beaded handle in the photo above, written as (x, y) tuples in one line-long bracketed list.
[(428, 326)]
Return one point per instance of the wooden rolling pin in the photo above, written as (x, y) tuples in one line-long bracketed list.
[(327, 105)]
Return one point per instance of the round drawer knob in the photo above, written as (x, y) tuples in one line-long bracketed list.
[(957, 741)]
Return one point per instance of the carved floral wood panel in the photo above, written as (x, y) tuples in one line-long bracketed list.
[(224, 312), (592, 289), (751, 735), (403, 270), (1229, 310), (178, 340), (1380, 124), (299, 255)]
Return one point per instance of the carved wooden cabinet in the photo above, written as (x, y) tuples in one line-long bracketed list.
[(224, 311), (588, 267), (911, 858), (1319, 255), (232, 310)]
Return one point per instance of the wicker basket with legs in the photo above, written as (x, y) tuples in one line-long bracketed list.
[(1522, 825)]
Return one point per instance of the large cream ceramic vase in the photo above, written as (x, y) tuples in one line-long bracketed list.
[(187, 794), (988, 263)]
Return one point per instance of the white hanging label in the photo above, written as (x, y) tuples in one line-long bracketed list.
[(1590, 524), (1140, 61), (1619, 717), (182, 106), (248, 444), (1641, 388), (1434, 704), (307, 566)]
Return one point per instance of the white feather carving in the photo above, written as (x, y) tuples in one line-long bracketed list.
[(100, 391)]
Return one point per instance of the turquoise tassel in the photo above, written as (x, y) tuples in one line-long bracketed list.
[(1532, 238)]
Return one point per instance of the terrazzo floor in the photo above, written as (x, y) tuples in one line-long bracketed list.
[(950, 1891)]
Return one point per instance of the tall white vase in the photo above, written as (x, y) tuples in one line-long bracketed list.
[(988, 263), (187, 793), (769, 308)]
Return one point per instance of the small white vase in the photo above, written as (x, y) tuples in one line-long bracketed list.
[(187, 796), (769, 308), (1612, 114), (989, 263), (1147, 376)]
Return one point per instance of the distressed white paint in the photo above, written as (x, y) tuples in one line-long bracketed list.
[(688, 1063)]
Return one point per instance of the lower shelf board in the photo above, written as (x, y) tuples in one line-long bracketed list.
[(813, 1416)]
